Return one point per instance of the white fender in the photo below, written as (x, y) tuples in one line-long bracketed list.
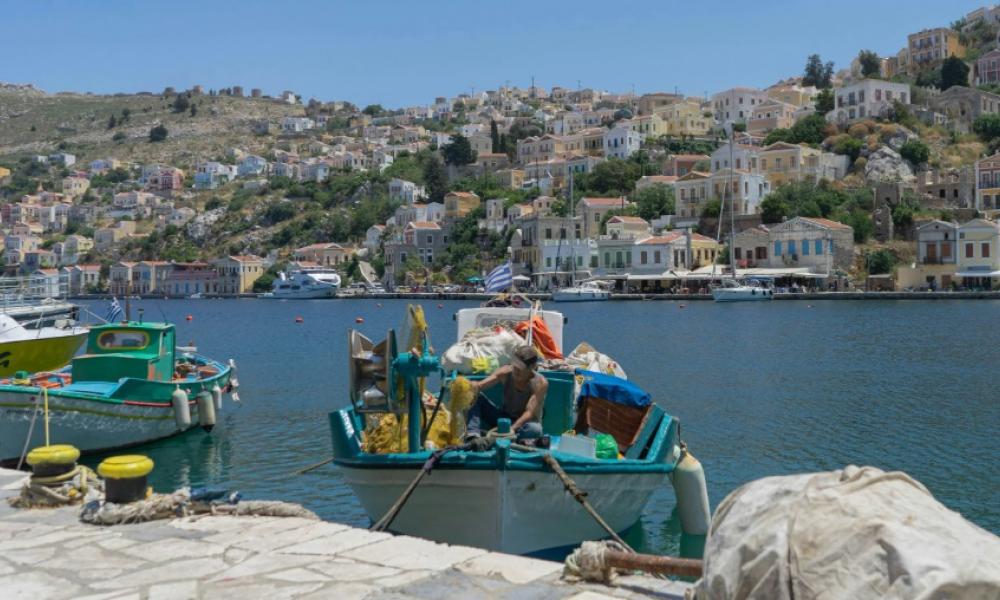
[(182, 412), (217, 397), (206, 410), (688, 479)]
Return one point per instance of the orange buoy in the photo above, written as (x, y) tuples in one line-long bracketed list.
[(359, 320), (189, 318), (299, 320)]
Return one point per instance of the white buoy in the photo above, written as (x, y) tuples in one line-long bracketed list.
[(688, 479), (206, 410), (217, 397), (182, 412)]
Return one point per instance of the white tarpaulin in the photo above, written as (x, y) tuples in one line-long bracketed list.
[(856, 533), (481, 343)]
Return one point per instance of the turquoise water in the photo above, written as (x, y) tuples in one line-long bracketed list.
[(761, 389)]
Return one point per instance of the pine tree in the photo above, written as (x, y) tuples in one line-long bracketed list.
[(112, 123), (495, 136), (435, 179)]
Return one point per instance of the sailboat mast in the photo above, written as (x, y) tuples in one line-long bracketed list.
[(732, 204), (571, 232)]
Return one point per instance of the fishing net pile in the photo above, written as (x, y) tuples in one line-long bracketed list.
[(182, 504)]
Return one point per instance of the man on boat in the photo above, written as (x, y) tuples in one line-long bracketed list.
[(524, 392)]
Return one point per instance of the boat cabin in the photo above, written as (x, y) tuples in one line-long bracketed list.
[(488, 316), (127, 350)]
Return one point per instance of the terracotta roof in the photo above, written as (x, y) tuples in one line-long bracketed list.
[(246, 258), (659, 178), (463, 194), (697, 237), (662, 239), (695, 157), (628, 219), (826, 223), (604, 201)]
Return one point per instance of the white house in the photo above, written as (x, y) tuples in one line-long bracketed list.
[(735, 104), (407, 191), (252, 165), (868, 98), (297, 124), (621, 142)]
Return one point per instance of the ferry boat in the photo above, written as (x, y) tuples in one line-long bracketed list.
[(751, 290), (306, 282), (129, 387), (507, 498)]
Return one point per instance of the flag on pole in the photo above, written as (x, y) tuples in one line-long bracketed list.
[(500, 278), (114, 311)]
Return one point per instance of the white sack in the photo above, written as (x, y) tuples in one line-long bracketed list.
[(584, 356), (481, 343), (856, 533)]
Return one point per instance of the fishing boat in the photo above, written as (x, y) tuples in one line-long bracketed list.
[(588, 291), (32, 350), (508, 498), (306, 282), (732, 290), (130, 386)]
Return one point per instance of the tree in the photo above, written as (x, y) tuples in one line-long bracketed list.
[(880, 261), (181, 103), (435, 179), (373, 110), (987, 127), (158, 133), (915, 151), (194, 109), (824, 101), (773, 209), (495, 137), (614, 176), (112, 123), (810, 129), (459, 151), (871, 64), (653, 201), (848, 146), (954, 72), (817, 73)]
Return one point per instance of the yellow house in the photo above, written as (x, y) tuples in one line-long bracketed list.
[(704, 250), (795, 95), (539, 148), (684, 118), (459, 204), (928, 48), (4, 173), (782, 162), (770, 115), (327, 254), (72, 187), (648, 126), (238, 273)]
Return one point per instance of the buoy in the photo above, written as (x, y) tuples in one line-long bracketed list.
[(440, 305), (299, 320), (217, 397), (51, 461), (688, 478), (682, 306), (189, 318), (182, 411), (359, 320), (206, 410), (378, 304), (125, 477)]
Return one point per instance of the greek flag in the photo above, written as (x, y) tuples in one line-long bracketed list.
[(499, 278), (114, 311)]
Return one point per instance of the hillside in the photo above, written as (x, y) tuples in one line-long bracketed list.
[(35, 122)]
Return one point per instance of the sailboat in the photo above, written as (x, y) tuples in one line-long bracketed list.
[(732, 289), (588, 291)]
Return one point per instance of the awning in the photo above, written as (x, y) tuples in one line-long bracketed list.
[(978, 274), (522, 279), (669, 275)]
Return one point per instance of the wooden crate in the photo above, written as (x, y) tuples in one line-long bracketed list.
[(624, 423)]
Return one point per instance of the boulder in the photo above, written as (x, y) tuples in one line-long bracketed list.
[(900, 137), (885, 165)]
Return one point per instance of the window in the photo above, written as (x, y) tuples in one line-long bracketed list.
[(986, 249), (946, 250), (777, 248), (818, 247), (805, 247), (115, 340), (628, 258), (643, 257), (968, 251), (656, 257), (548, 233), (739, 254), (607, 259), (548, 262), (597, 218), (791, 246)]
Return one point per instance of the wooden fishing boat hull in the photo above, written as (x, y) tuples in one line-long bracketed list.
[(42, 354), (132, 413), (517, 512)]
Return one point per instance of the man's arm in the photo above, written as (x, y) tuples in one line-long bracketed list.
[(492, 379), (534, 406)]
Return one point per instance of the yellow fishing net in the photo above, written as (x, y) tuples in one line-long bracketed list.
[(387, 434)]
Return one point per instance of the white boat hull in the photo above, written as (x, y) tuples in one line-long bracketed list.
[(512, 511), (89, 425), (306, 294), (741, 294), (580, 296)]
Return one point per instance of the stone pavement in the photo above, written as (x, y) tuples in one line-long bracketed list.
[(50, 554)]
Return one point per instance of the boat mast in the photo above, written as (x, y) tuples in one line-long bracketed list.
[(732, 205), (571, 232)]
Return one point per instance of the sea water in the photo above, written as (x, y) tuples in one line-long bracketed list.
[(760, 389)]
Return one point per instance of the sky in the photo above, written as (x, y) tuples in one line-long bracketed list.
[(408, 52)]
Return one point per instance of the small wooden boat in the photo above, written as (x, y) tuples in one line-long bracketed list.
[(129, 387), (506, 498), (32, 350)]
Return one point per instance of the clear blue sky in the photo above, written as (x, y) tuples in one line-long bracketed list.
[(408, 52)]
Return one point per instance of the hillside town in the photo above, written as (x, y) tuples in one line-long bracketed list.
[(884, 174)]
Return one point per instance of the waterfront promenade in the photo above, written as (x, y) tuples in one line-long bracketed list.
[(50, 554)]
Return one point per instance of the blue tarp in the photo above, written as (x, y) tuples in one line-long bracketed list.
[(614, 389)]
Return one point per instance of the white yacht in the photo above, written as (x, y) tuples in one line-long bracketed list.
[(587, 291), (306, 282), (732, 290)]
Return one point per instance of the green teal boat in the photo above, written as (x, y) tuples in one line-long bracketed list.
[(130, 386), (507, 498)]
